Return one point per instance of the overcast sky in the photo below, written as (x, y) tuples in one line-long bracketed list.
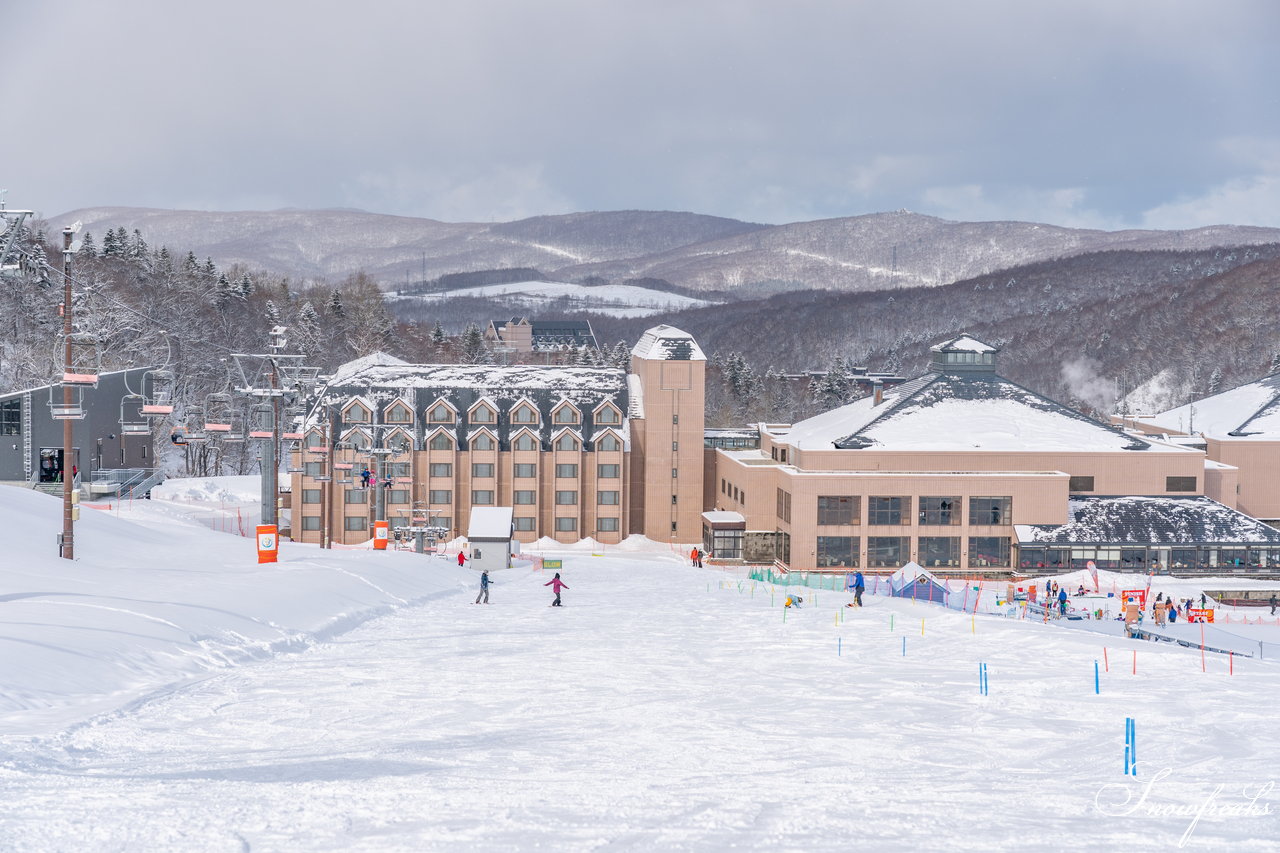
[(1116, 113)]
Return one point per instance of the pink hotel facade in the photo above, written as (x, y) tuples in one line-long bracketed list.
[(959, 470)]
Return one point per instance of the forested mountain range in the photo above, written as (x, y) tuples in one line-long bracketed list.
[(860, 253)]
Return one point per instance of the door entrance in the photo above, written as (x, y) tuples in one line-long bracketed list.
[(51, 465)]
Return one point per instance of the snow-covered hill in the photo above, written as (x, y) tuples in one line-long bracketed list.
[(618, 300)]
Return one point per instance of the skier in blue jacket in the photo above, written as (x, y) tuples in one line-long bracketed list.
[(858, 586)]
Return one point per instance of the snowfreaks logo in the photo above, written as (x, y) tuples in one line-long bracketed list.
[(1124, 800)]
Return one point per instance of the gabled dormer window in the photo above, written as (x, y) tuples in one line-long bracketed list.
[(313, 439), (483, 414), (608, 443), (607, 414), (358, 439), (524, 414), (398, 413), (565, 414), (441, 413), (356, 412), (525, 441), (483, 441), (566, 442), (440, 441), (399, 441)]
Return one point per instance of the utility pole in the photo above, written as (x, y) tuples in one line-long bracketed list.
[(68, 433)]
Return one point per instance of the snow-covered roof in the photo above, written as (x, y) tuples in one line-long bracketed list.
[(720, 516), (668, 343), (943, 411), (490, 522), (1136, 520), (1248, 411), (345, 372), (635, 397), (963, 343), (486, 376)]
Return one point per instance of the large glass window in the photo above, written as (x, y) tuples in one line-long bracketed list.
[(608, 415), (399, 413), (608, 443), (607, 498), (356, 496), (524, 523), (990, 551), (939, 551), (983, 511), (566, 471), (1179, 484), (397, 496), (311, 496), (888, 551), (524, 496), (483, 441), (355, 523), (11, 417), (439, 496), (311, 522), (1044, 558), (441, 414), (441, 469), (607, 525), (440, 441), (526, 469), (888, 511), (482, 415), (839, 509), (608, 472), (312, 469), (482, 469), (524, 441), (482, 497), (565, 415), (784, 505), (565, 525), (397, 469), (566, 498), (524, 415), (566, 442), (782, 546), (836, 551), (940, 511)]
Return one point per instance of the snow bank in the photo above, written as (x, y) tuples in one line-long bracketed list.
[(246, 489), (160, 602)]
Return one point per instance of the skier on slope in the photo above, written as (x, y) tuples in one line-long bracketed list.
[(556, 585), (859, 584), (462, 558), (1062, 601), (484, 587)]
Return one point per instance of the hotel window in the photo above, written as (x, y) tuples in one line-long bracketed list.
[(399, 414), (609, 443), (566, 442), (992, 551), (607, 498), (565, 415), (1080, 484), (357, 496), (888, 551), (11, 417), (397, 496), (524, 523), (566, 525), (398, 469), (675, 446), (440, 441), (990, 511), (441, 469), (482, 415), (888, 511), (607, 525), (944, 511), (525, 469), (482, 497), (311, 522), (313, 439), (784, 506), (939, 551), (356, 415), (1179, 484), (524, 415), (441, 414), (400, 443), (608, 472), (483, 441), (312, 469), (838, 509), (837, 551), (724, 488), (608, 415), (566, 471), (440, 496), (524, 496), (355, 523), (566, 498), (311, 496), (482, 469), (524, 441)]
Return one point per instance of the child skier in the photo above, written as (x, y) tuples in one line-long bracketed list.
[(484, 587), (556, 585), (793, 601)]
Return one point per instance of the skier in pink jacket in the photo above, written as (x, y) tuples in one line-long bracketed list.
[(556, 585)]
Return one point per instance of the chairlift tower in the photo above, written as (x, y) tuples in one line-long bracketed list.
[(11, 222), (270, 379)]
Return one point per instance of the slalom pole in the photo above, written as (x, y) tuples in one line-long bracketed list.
[(1097, 685), (1105, 663), (1203, 668), (1135, 661), (921, 627), (904, 647)]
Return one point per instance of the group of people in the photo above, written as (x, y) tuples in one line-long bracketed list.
[(483, 597), (1166, 610)]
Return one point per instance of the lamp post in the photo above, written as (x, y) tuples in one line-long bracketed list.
[(68, 550)]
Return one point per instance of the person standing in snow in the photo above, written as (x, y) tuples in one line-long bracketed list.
[(462, 558), (1062, 601), (484, 587), (695, 557), (1273, 604), (556, 585), (858, 586)]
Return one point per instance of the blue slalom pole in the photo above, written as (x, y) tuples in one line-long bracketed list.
[(904, 647), (837, 647), (1097, 686)]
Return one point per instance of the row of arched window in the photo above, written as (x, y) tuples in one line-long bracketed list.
[(441, 412)]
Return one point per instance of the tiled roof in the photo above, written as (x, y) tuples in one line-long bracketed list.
[(1134, 520)]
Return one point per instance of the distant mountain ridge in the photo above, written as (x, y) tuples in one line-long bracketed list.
[(861, 253)]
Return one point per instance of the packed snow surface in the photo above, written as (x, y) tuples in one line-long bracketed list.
[(663, 707), (618, 300)]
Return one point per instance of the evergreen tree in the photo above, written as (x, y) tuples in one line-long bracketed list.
[(246, 286), (474, 350), (164, 261), (1215, 381), (88, 249), (272, 313), (309, 333), (438, 337), (1275, 363), (224, 292), (191, 266), (621, 356), (209, 268), (335, 304), (110, 249), (137, 246)]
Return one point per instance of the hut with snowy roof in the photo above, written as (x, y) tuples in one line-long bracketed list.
[(489, 537)]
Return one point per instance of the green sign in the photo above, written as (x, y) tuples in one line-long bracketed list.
[(552, 564)]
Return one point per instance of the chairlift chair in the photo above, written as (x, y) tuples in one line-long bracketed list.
[(236, 432), (195, 425), (157, 389), (217, 419), (261, 416), (132, 421), (85, 362), (62, 410)]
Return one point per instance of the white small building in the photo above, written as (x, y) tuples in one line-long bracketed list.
[(489, 537)]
